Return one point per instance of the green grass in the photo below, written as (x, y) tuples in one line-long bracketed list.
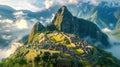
[(70, 45), (51, 51), (38, 37), (78, 51), (60, 38)]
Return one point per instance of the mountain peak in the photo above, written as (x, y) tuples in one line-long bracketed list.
[(63, 7), (38, 27), (64, 11), (66, 22), (62, 14)]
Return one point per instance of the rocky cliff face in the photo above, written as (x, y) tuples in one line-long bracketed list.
[(38, 27), (64, 21)]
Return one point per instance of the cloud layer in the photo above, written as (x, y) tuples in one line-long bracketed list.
[(21, 4), (39, 5), (6, 52)]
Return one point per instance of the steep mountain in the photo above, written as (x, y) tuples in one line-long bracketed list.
[(59, 49), (38, 27), (60, 45), (65, 21)]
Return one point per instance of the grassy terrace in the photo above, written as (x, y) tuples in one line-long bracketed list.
[(32, 54), (62, 39), (78, 51)]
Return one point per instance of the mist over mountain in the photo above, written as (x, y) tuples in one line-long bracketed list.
[(20, 20), (61, 44)]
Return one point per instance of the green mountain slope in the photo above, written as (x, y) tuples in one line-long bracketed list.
[(108, 15), (37, 28), (59, 49)]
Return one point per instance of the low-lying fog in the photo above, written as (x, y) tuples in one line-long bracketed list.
[(115, 48)]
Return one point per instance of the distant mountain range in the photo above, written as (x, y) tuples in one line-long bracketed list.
[(103, 15)]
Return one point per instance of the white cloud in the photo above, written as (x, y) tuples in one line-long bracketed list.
[(18, 13), (66, 2), (21, 24), (4, 53), (6, 21), (62, 2), (0, 16), (6, 37), (7, 30), (73, 1), (94, 2), (42, 18), (21, 4), (39, 5), (48, 3), (8, 25), (106, 30)]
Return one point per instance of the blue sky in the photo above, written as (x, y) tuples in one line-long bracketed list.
[(38, 5)]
